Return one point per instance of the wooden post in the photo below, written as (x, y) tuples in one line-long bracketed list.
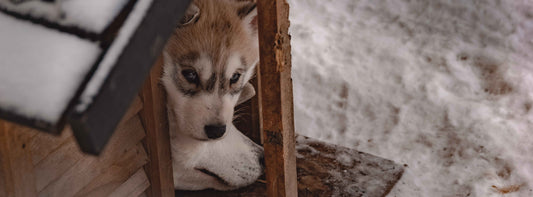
[(154, 118), (275, 94), (16, 169)]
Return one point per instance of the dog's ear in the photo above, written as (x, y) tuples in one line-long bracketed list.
[(191, 16), (247, 93), (247, 11)]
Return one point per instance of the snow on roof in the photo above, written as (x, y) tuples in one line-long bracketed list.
[(91, 15), (40, 68), (124, 35)]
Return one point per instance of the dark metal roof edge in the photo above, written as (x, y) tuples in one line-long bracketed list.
[(96, 124)]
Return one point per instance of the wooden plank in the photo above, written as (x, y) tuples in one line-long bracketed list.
[(134, 186), (116, 174), (276, 97), (56, 164), (154, 116), (331, 170), (90, 167), (5, 172), (52, 155), (44, 144), (16, 160)]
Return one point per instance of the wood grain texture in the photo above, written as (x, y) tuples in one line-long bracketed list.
[(56, 164), (17, 168), (90, 167), (44, 144), (134, 186), (116, 174), (157, 142), (3, 163), (33, 163), (276, 97)]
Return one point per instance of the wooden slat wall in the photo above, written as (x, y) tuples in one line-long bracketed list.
[(39, 164), (275, 94)]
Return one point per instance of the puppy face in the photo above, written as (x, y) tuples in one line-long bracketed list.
[(208, 61), (207, 64)]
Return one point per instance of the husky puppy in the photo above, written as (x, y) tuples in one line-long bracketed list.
[(207, 64)]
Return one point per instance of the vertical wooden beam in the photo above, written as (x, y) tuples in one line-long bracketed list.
[(275, 96), (154, 118), (16, 167)]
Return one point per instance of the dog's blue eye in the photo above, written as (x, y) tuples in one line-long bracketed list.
[(190, 75), (234, 78)]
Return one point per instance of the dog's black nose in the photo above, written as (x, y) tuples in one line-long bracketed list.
[(215, 131)]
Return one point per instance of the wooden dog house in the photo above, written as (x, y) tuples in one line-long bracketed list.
[(136, 160)]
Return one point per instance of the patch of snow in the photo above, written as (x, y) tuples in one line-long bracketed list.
[(91, 15), (444, 86), (40, 69), (114, 51)]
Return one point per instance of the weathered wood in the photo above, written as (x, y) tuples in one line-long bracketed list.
[(134, 186), (154, 117), (45, 144), (6, 185), (53, 155), (276, 97), (17, 168), (3, 164), (56, 164), (329, 170), (116, 174), (90, 167)]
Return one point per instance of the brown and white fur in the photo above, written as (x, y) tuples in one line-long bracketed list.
[(207, 64)]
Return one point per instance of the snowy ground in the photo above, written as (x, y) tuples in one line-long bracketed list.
[(445, 87)]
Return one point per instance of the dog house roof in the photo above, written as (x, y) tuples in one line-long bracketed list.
[(78, 62)]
